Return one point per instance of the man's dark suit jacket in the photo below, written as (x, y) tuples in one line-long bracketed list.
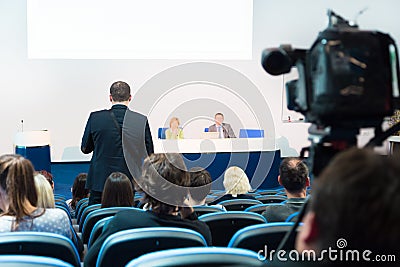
[(226, 128), (103, 138)]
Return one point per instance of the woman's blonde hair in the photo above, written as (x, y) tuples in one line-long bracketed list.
[(44, 192), (236, 181), (172, 120)]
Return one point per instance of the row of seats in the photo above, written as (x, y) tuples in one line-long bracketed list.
[(124, 246)]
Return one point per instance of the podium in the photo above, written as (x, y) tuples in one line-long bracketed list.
[(35, 146)]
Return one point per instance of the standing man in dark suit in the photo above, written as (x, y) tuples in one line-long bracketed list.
[(113, 135), (224, 129)]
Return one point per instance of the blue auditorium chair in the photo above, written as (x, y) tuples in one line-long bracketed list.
[(97, 230), (80, 206), (206, 256), (292, 217), (161, 133), (31, 261), (239, 204), (201, 210), (251, 133), (260, 208), (85, 213), (262, 236), (223, 225), (96, 215), (39, 244), (206, 130), (265, 199), (121, 247)]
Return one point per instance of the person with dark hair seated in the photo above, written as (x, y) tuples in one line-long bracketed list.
[(200, 187), (78, 192), (118, 191), (293, 176), (164, 184), (354, 212), (49, 177)]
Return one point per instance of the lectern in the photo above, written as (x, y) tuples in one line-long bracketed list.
[(35, 146)]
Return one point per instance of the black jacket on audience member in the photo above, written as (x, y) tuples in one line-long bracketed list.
[(131, 219), (103, 138)]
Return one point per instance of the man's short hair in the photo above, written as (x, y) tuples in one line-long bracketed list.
[(200, 177), (357, 197), (294, 174), (218, 113), (120, 91)]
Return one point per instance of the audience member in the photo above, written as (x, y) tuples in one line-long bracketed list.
[(78, 192), (118, 191), (174, 132), (173, 171), (19, 200), (293, 176), (49, 177), (200, 183), (354, 207), (236, 184), (44, 192)]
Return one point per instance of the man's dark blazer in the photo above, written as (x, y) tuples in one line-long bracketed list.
[(103, 138), (226, 128)]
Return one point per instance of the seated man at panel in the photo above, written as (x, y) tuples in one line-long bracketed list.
[(224, 129), (293, 176), (164, 177), (354, 212)]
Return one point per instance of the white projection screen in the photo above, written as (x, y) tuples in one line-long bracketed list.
[(138, 29)]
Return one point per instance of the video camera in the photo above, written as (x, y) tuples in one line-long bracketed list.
[(348, 80)]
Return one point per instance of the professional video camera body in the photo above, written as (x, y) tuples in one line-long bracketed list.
[(348, 80)]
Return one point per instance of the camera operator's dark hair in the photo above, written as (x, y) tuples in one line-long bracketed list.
[(200, 177), (357, 197), (294, 174), (120, 91), (161, 173), (118, 191)]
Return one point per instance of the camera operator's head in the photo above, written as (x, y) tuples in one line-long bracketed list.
[(293, 176), (355, 198)]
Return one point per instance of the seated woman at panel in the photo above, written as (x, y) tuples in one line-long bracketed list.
[(19, 201), (78, 192), (164, 181), (45, 195), (118, 191), (174, 131), (236, 184)]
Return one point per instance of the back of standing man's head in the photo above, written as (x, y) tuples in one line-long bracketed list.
[(293, 175), (120, 91)]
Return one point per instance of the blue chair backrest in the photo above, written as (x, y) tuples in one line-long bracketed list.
[(257, 237), (223, 225), (97, 230), (161, 133), (251, 133), (202, 256), (31, 261), (206, 130), (121, 247), (292, 217), (39, 244)]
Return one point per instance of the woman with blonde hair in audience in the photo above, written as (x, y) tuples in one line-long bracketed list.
[(44, 192), (19, 201), (236, 184), (174, 131)]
